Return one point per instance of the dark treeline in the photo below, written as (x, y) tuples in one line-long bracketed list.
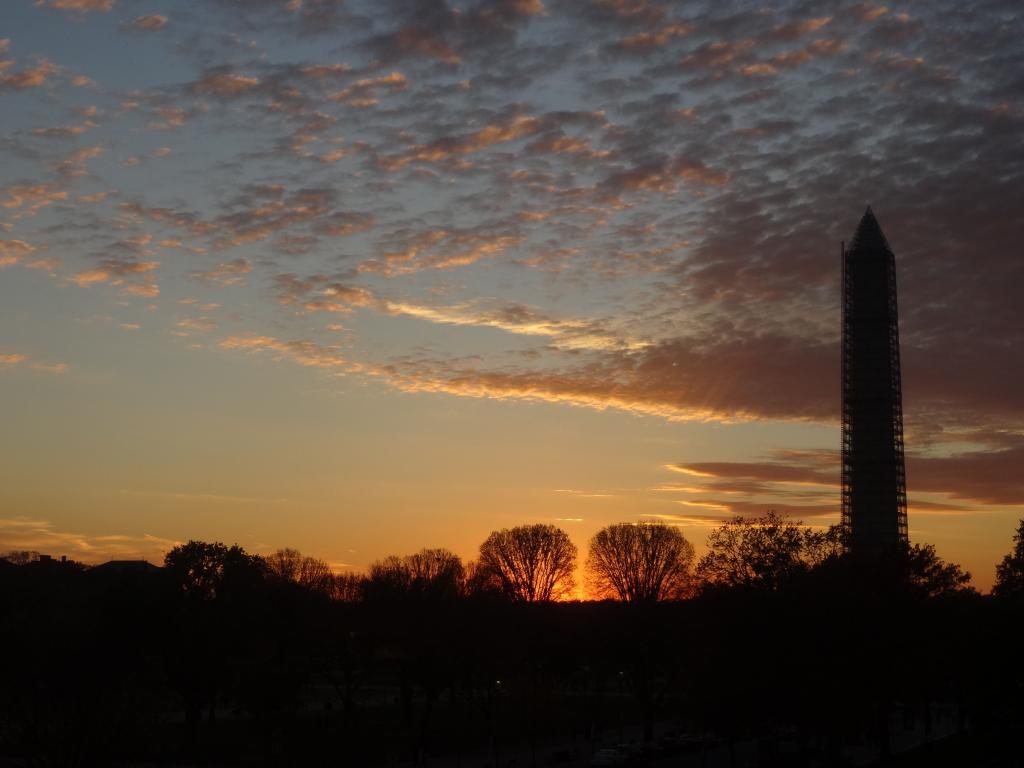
[(775, 638)]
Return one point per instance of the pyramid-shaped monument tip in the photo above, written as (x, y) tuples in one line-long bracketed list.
[(869, 235)]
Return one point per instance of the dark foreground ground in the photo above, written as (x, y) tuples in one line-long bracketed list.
[(130, 669)]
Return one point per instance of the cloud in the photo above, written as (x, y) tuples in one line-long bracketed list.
[(224, 85), (31, 197), (78, 6), (228, 273), (795, 479), (148, 23), (363, 93), (984, 476), (18, 534), (301, 352), (344, 223), (565, 333), (446, 148), (441, 249), (10, 360), (74, 164), (258, 212), (327, 295), (133, 277), (643, 42), (320, 293), (12, 251), (30, 77), (803, 468), (796, 29), (189, 326), (149, 290), (64, 131), (717, 54), (662, 175), (679, 379)]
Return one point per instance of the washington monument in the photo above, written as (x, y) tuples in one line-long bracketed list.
[(874, 487)]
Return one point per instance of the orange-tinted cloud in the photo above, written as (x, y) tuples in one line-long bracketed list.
[(305, 353), (229, 273), (12, 251), (447, 148), (800, 28), (679, 379), (148, 23), (74, 164), (658, 38), (30, 77), (441, 249), (225, 85), (424, 41), (64, 131), (717, 54), (134, 278), (18, 534), (10, 360), (363, 93), (79, 6), (662, 175)]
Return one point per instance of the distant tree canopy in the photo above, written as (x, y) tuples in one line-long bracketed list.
[(431, 572), (1010, 572), (923, 570), (348, 587), (202, 569), (640, 562), (21, 557), (292, 566), (764, 552), (530, 563)]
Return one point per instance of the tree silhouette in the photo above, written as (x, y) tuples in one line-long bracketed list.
[(1010, 572), (21, 557), (762, 552), (214, 585), (531, 563), (201, 569), (640, 562), (926, 572), (292, 566), (433, 572), (348, 587)]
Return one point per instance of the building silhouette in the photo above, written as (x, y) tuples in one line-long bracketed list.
[(874, 488)]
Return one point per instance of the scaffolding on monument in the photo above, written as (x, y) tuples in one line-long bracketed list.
[(858, 462)]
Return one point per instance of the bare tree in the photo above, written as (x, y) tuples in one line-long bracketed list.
[(641, 562), (309, 572), (21, 557), (348, 587), (533, 563), (435, 571)]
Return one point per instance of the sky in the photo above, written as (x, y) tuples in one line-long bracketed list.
[(359, 277)]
